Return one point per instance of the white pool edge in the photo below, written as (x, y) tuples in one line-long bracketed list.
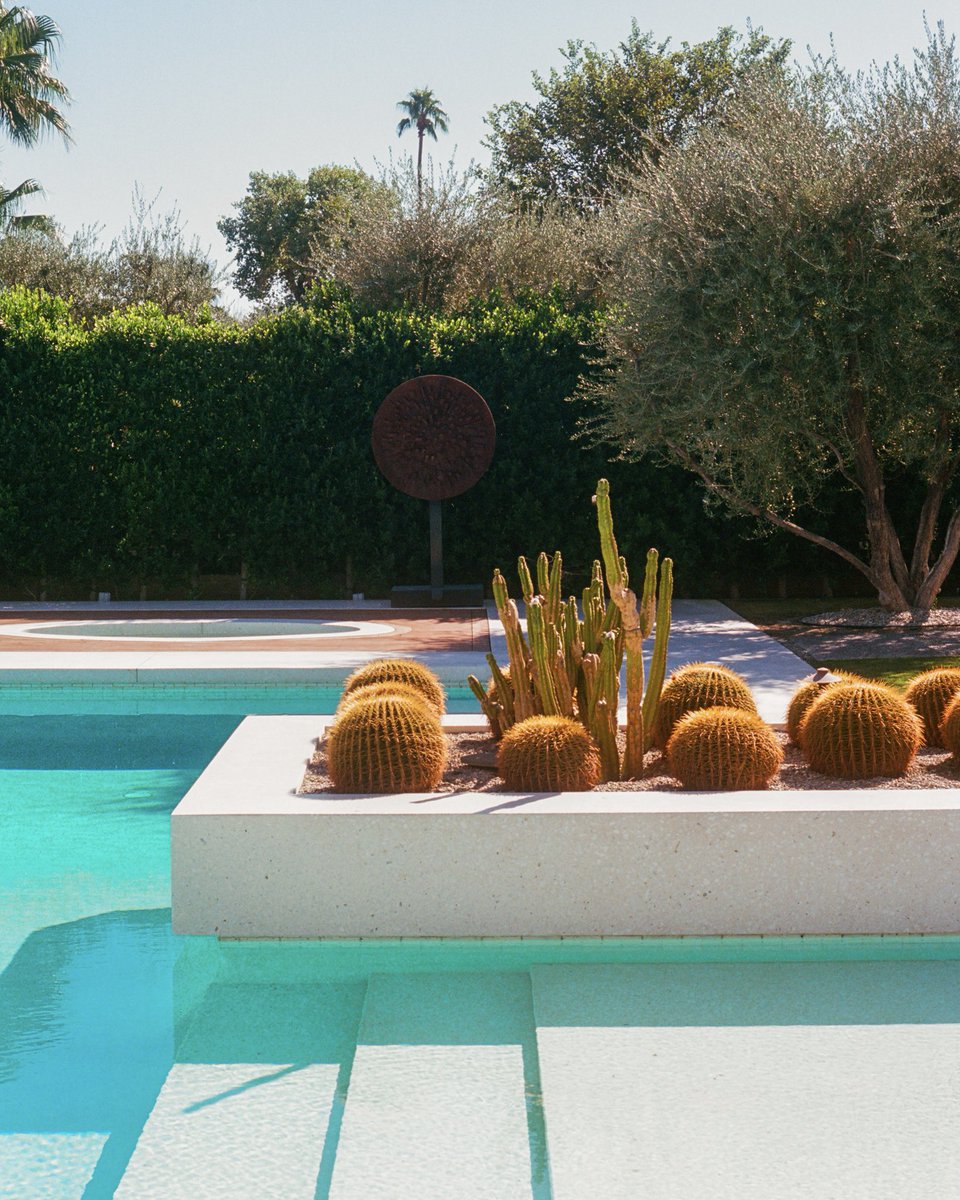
[(252, 859)]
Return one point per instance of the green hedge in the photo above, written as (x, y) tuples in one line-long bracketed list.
[(150, 447)]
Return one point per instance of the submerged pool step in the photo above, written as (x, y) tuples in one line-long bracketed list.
[(746, 1081), (226, 1130), (48, 1166), (436, 1104)]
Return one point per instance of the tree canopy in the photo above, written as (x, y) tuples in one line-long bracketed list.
[(606, 112), (150, 262), (29, 95), (790, 301), (282, 220)]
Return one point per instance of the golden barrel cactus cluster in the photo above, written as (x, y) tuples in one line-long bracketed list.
[(387, 736)]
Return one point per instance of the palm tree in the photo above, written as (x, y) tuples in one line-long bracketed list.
[(11, 200), (425, 114), (28, 91)]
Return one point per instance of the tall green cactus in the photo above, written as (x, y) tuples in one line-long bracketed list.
[(637, 624), (568, 665)]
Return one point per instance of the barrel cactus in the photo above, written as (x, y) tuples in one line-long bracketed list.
[(548, 754), (804, 696), (386, 744), (930, 693), (400, 670), (949, 731), (388, 687), (860, 730), (723, 748), (696, 686)]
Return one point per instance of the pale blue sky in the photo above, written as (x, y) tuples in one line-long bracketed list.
[(187, 97)]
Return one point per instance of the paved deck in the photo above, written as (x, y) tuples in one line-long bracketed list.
[(453, 642)]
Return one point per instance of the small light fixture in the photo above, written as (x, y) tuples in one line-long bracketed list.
[(824, 675)]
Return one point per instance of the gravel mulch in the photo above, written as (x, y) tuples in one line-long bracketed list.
[(471, 769), (878, 618)]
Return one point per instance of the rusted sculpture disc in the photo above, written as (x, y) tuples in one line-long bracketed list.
[(433, 437)]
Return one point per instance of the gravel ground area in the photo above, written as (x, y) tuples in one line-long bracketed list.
[(878, 618), (471, 769)]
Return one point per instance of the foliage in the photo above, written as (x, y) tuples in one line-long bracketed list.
[(440, 245), (608, 112), (790, 287), (29, 94), (11, 200), (139, 447), (283, 219), (150, 263)]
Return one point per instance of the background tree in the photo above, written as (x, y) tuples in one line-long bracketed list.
[(790, 287), (442, 242), (604, 113), (151, 262), (426, 116), (280, 219), (10, 202), (29, 93)]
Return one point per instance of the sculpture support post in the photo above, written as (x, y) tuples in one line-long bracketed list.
[(436, 550)]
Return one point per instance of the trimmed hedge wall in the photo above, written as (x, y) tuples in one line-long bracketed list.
[(150, 447)]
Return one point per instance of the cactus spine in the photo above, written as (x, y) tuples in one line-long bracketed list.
[(568, 664)]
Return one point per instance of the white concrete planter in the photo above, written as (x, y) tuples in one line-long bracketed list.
[(252, 859)]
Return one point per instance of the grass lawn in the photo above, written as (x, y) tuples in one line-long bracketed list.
[(895, 671)]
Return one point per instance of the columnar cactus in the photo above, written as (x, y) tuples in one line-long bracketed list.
[(569, 664)]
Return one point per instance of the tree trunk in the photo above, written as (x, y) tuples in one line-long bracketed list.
[(419, 164)]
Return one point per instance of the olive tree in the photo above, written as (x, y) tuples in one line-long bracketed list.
[(789, 311)]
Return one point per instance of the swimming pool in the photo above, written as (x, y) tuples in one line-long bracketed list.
[(206, 630), (137, 1064)]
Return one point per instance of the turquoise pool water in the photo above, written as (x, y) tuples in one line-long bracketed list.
[(130, 699), (127, 1054)]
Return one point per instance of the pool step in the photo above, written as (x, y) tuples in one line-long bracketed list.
[(225, 1130), (650, 1090), (436, 1104), (47, 1166)]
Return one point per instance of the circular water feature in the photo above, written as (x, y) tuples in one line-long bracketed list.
[(205, 630)]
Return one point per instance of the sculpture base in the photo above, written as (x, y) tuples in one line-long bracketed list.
[(458, 595)]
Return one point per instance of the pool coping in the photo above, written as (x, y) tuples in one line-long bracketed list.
[(253, 859)]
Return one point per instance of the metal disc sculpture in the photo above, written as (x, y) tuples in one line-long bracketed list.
[(433, 438)]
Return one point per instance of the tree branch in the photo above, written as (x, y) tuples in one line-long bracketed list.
[(932, 502), (730, 496), (940, 569)]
